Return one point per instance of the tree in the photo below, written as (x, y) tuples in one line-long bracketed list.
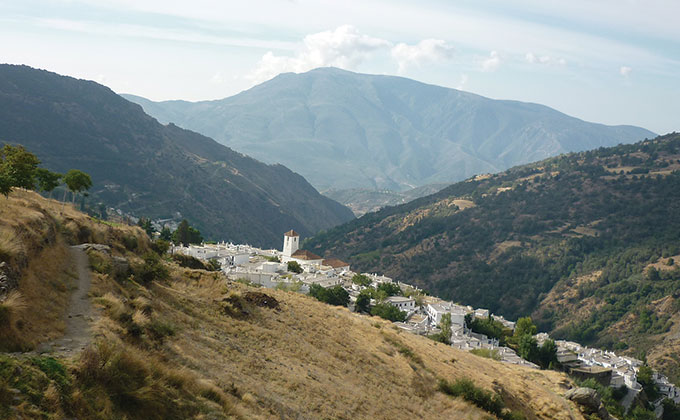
[(333, 296), (77, 181), (6, 181), (20, 166), (294, 267), (391, 289), (166, 234), (145, 224), (445, 327), (528, 347), (47, 180), (185, 234), (389, 312), (363, 302), (525, 326), (361, 280), (547, 354)]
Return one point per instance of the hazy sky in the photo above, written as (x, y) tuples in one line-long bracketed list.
[(609, 61)]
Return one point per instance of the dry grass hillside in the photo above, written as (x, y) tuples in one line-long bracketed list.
[(174, 343)]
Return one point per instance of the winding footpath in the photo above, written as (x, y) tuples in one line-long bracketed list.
[(79, 314)]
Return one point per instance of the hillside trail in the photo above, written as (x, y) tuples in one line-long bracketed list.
[(79, 313)]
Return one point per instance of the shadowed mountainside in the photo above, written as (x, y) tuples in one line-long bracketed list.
[(151, 170), (587, 243)]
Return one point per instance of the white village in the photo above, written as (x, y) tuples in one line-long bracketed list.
[(270, 268)]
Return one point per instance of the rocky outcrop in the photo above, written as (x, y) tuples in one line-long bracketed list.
[(589, 402)]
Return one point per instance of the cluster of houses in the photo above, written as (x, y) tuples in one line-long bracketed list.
[(269, 268)]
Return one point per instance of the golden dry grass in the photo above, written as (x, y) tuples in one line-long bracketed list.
[(311, 360), (304, 360)]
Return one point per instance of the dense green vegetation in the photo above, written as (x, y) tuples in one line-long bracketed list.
[(147, 169), (19, 169), (534, 229), (389, 312), (333, 295)]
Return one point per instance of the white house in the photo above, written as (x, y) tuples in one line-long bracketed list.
[(402, 303), (338, 266), (435, 311)]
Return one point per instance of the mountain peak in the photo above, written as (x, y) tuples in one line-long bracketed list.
[(342, 130)]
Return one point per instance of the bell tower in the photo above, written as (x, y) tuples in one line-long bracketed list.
[(291, 243)]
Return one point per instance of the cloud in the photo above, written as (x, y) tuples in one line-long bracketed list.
[(463, 81), (345, 47), (625, 71), (492, 63), (427, 50), (545, 59)]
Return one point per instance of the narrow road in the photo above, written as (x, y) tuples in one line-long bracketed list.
[(79, 313)]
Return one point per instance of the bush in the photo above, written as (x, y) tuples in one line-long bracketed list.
[(361, 280), (488, 353), (188, 261), (294, 267), (151, 269), (160, 246), (486, 400), (130, 242)]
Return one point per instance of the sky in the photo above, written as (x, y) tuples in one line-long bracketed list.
[(607, 61)]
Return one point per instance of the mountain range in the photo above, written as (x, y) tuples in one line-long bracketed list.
[(344, 130), (151, 170), (587, 243)]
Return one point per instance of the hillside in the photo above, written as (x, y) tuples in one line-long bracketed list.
[(147, 169), (173, 343), (570, 240), (344, 130)]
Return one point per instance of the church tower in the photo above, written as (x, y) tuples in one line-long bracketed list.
[(291, 243)]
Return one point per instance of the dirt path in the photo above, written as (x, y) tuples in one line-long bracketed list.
[(79, 314)]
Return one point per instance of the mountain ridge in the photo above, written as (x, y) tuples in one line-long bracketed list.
[(384, 132), (151, 170), (521, 242)]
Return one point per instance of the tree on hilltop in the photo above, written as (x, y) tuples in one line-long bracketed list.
[(20, 165), (47, 180), (76, 181)]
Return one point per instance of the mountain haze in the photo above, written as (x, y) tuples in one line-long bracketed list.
[(151, 170), (344, 130)]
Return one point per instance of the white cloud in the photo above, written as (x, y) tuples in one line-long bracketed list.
[(492, 63), (345, 47), (463, 81), (427, 50), (625, 71), (545, 59)]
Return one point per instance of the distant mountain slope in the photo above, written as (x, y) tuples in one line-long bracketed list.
[(571, 240), (148, 169), (344, 130)]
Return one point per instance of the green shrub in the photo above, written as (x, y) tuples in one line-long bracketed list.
[(389, 312), (488, 353), (130, 242), (160, 246), (333, 296), (188, 261), (151, 269), (486, 400), (159, 329), (100, 262), (294, 267)]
